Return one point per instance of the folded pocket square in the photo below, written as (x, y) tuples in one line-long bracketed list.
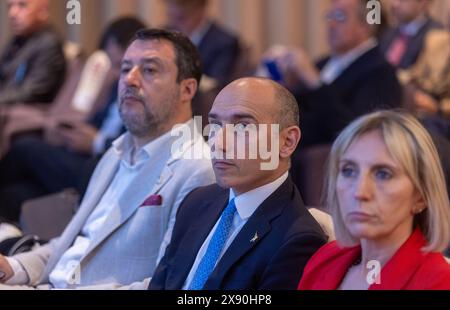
[(153, 200)]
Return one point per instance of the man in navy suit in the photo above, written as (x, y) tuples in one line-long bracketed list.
[(403, 44), (251, 230)]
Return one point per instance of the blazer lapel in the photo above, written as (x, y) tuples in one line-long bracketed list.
[(88, 204), (154, 173), (398, 271), (130, 203), (359, 68), (194, 238), (257, 227), (243, 243)]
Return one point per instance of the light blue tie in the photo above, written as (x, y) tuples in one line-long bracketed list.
[(215, 247)]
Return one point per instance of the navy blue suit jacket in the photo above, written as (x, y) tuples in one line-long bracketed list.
[(219, 51), (32, 70), (368, 84), (288, 236)]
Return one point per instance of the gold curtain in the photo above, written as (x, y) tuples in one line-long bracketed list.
[(261, 23)]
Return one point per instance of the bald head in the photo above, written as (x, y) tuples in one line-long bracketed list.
[(271, 102), (27, 16), (254, 107)]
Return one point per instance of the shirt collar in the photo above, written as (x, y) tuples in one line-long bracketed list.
[(412, 28), (123, 146), (197, 35), (351, 56), (247, 203)]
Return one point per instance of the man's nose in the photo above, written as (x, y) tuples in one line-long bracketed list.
[(132, 77), (12, 12), (219, 139), (223, 139)]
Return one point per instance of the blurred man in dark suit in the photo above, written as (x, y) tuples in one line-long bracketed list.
[(353, 80), (32, 67), (403, 44), (218, 47)]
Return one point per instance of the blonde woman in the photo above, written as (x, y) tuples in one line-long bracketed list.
[(387, 195)]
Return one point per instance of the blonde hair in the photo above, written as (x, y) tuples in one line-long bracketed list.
[(411, 146)]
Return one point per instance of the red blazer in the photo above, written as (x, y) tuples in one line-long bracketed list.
[(408, 269)]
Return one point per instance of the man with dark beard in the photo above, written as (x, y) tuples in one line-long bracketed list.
[(65, 156), (130, 205)]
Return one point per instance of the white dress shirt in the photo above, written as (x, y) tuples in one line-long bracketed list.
[(246, 205), (130, 166), (337, 64), (198, 34)]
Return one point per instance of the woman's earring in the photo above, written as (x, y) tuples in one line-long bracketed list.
[(418, 211)]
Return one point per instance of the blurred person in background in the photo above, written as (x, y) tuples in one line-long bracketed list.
[(32, 67), (427, 90), (428, 81), (353, 80), (403, 43), (219, 48), (36, 166)]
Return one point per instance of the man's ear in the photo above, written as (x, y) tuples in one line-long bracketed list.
[(188, 89), (290, 137)]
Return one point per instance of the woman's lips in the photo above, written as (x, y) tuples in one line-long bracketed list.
[(359, 216)]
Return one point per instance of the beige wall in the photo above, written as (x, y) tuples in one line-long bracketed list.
[(260, 22)]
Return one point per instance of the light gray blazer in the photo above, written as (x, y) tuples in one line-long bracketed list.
[(126, 249)]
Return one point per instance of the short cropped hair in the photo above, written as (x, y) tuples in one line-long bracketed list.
[(289, 110), (187, 55)]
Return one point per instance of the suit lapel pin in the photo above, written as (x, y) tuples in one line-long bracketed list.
[(255, 238)]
